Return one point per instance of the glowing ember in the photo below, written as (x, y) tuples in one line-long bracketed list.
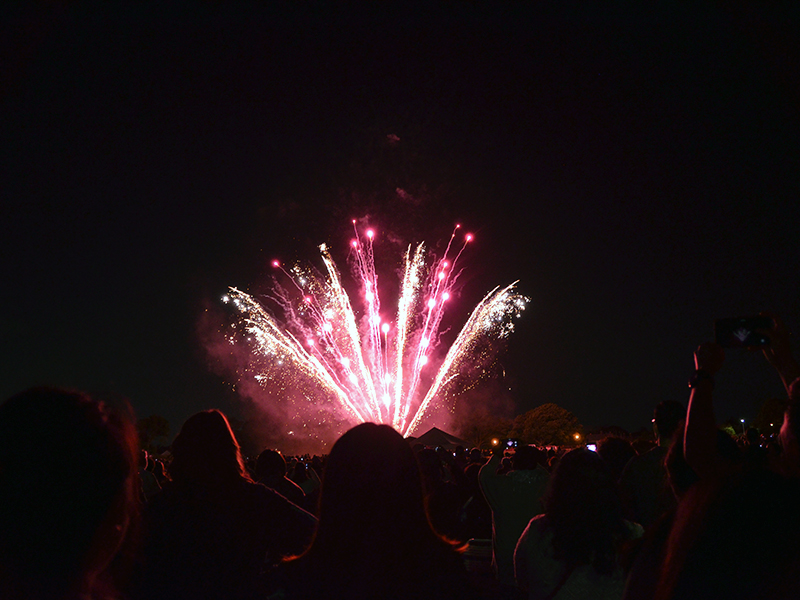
[(374, 371)]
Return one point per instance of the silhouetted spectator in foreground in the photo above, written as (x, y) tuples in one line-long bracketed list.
[(374, 539), (736, 532), (68, 494), (644, 486), (754, 452), (646, 564), (617, 452), (149, 482), (212, 532), (515, 498), (271, 471), (446, 491), (571, 551)]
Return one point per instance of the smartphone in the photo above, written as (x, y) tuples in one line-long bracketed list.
[(592, 447), (512, 443), (742, 332)]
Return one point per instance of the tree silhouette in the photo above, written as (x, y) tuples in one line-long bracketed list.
[(547, 425)]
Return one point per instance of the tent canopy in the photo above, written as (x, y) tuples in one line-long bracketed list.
[(436, 437)]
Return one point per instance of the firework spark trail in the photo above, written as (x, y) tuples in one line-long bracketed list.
[(409, 295), (365, 267), (352, 351), (443, 278), (274, 341), (375, 376), (491, 312)]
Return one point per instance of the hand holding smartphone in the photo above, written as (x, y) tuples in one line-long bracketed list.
[(743, 332)]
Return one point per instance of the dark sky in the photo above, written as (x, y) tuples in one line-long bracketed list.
[(635, 167)]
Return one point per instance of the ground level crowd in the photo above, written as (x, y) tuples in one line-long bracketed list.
[(85, 514)]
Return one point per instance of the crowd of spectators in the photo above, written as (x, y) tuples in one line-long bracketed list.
[(85, 514)]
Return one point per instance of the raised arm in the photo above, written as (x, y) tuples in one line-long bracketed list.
[(489, 478), (779, 352), (700, 439)]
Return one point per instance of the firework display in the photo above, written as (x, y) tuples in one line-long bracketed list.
[(334, 360)]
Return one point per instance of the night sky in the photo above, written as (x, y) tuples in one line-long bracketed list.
[(635, 165)]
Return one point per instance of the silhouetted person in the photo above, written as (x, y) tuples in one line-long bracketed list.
[(735, 533), (515, 498), (212, 532), (68, 494), (374, 539), (446, 491), (617, 452), (271, 471), (644, 485), (571, 551), (753, 450), (646, 567), (149, 482)]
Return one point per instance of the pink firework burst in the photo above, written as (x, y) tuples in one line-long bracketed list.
[(373, 368)]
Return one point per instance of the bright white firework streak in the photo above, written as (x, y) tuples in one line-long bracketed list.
[(365, 262), (495, 302), (409, 294), (273, 339), (342, 303), (443, 277)]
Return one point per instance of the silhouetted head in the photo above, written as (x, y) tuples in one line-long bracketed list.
[(270, 465), (68, 489), (431, 468), (373, 538), (206, 451), (584, 509), (525, 458), (667, 416), (616, 451), (371, 502), (753, 436)]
